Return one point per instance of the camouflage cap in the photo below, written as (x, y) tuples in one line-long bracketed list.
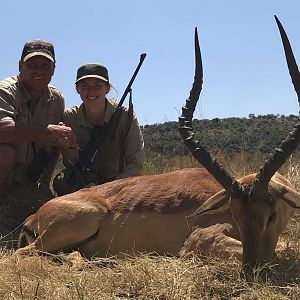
[(38, 47), (92, 70)]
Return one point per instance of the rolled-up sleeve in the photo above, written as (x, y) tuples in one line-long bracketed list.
[(7, 108)]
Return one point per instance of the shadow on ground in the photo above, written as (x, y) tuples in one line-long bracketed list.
[(15, 207)]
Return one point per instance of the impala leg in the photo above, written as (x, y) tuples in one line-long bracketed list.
[(213, 240), (65, 234), (75, 260), (27, 250)]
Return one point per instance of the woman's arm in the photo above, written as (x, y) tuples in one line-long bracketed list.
[(134, 155)]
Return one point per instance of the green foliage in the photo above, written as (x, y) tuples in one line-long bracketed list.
[(256, 136)]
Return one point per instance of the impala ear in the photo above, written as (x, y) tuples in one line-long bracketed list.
[(217, 203), (286, 193)]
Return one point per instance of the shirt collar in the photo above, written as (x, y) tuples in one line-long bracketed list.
[(26, 96), (110, 108)]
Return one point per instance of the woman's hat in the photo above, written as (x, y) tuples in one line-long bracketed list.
[(92, 70)]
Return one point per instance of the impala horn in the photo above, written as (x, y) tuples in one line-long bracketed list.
[(233, 187), (289, 145)]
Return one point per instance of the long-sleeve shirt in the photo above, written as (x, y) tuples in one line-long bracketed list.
[(118, 146)]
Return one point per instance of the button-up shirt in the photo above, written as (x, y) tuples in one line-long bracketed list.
[(15, 104), (107, 164)]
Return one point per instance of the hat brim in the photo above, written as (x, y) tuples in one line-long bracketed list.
[(91, 76), (38, 53)]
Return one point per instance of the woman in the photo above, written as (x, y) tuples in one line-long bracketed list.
[(121, 150)]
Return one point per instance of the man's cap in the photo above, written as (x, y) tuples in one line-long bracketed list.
[(92, 70), (38, 47)]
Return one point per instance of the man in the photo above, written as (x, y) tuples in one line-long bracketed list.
[(30, 113)]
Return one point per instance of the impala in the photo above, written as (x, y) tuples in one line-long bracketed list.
[(203, 210)]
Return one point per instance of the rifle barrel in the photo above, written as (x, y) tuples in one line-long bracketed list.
[(142, 57)]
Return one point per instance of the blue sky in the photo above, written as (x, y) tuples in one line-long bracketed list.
[(244, 65)]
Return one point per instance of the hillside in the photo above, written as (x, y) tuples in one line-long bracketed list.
[(255, 135)]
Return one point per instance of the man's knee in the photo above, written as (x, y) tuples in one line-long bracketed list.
[(7, 165), (9, 155)]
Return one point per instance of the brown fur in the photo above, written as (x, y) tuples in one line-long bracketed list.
[(148, 214)]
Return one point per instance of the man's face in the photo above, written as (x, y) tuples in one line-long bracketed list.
[(36, 72)]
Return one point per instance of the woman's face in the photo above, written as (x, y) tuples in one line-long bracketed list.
[(92, 90)]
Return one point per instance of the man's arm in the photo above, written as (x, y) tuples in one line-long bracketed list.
[(12, 134)]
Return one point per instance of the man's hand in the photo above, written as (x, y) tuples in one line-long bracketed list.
[(61, 135)]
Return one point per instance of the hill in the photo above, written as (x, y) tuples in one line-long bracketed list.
[(255, 135)]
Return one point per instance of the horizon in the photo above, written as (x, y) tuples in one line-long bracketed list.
[(250, 116)]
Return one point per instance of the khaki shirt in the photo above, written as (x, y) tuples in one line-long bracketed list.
[(15, 105), (107, 163)]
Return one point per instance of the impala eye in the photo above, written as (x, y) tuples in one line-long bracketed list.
[(272, 217)]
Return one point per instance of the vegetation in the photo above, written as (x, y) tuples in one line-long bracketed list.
[(155, 277), (256, 136), (145, 277)]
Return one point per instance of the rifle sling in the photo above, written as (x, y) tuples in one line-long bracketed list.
[(93, 144)]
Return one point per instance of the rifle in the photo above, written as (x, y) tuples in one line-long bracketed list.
[(97, 138)]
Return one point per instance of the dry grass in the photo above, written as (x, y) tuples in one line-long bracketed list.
[(154, 277), (145, 277)]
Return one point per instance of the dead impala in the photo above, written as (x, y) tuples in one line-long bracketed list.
[(148, 213)]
